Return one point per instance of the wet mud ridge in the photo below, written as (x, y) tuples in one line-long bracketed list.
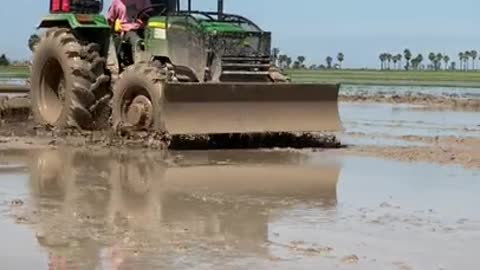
[(17, 129), (427, 100)]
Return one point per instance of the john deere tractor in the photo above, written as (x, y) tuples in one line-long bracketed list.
[(191, 72)]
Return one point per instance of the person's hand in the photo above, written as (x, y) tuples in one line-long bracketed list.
[(117, 26), (140, 22)]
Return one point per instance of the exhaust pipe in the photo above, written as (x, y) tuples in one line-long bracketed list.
[(220, 10)]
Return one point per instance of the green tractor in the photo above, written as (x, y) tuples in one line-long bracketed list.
[(190, 72)]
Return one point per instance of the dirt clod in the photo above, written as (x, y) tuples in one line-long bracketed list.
[(350, 259), (16, 202)]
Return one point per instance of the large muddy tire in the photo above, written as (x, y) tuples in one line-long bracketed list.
[(68, 81), (138, 97)]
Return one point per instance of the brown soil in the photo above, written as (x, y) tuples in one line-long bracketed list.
[(18, 130), (420, 99), (442, 150)]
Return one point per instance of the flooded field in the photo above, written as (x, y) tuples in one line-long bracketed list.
[(234, 209), (379, 119), (401, 195)]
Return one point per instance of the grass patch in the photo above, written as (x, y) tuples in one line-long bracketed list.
[(14, 72), (347, 76), (376, 77)]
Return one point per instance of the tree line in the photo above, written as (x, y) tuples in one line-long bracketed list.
[(286, 62), (437, 61), (32, 41), (4, 61)]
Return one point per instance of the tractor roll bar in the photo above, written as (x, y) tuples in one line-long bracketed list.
[(219, 7), (226, 17)]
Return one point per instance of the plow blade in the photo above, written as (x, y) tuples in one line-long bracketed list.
[(220, 108)]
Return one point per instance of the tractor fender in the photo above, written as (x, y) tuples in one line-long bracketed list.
[(75, 21), (93, 27)]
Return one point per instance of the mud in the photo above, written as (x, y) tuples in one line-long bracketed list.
[(463, 152), (18, 128), (26, 134), (136, 209), (424, 100)]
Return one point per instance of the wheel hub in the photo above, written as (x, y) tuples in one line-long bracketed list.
[(139, 113)]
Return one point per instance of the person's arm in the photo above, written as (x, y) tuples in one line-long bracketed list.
[(112, 14), (118, 16)]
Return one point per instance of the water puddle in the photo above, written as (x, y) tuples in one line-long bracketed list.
[(87, 209)]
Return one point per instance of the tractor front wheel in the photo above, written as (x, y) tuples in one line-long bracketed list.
[(138, 97)]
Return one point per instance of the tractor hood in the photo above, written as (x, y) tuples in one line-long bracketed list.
[(214, 27)]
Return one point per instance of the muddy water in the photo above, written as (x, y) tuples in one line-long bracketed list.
[(84, 209)]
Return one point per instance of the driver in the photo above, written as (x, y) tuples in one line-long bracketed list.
[(122, 15)]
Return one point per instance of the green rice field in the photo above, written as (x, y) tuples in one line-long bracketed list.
[(356, 77), (376, 77)]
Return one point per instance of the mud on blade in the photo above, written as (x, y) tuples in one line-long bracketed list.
[(250, 108)]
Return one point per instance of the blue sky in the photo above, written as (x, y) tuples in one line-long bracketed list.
[(361, 29)]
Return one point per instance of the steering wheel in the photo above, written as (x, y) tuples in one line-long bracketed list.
[(144, 14)]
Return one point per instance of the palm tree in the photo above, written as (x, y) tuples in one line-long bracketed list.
[(389, 59), (4, 60), (453, 66), (399, 59), (340, 58), (282, 59), (408, 55), (438, 61), (288, 61), (382, 58), (432, 57), (301, 60), (446, 59), (329, 60), (461, 58), (474, 55), (420, 59), (466, 57), (32, 41), (395, 60), (417, 61)]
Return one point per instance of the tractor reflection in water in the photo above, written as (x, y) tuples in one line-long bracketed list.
[(131, 209)]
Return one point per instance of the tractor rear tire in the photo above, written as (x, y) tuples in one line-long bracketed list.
[(68, 81), (138, 97)]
